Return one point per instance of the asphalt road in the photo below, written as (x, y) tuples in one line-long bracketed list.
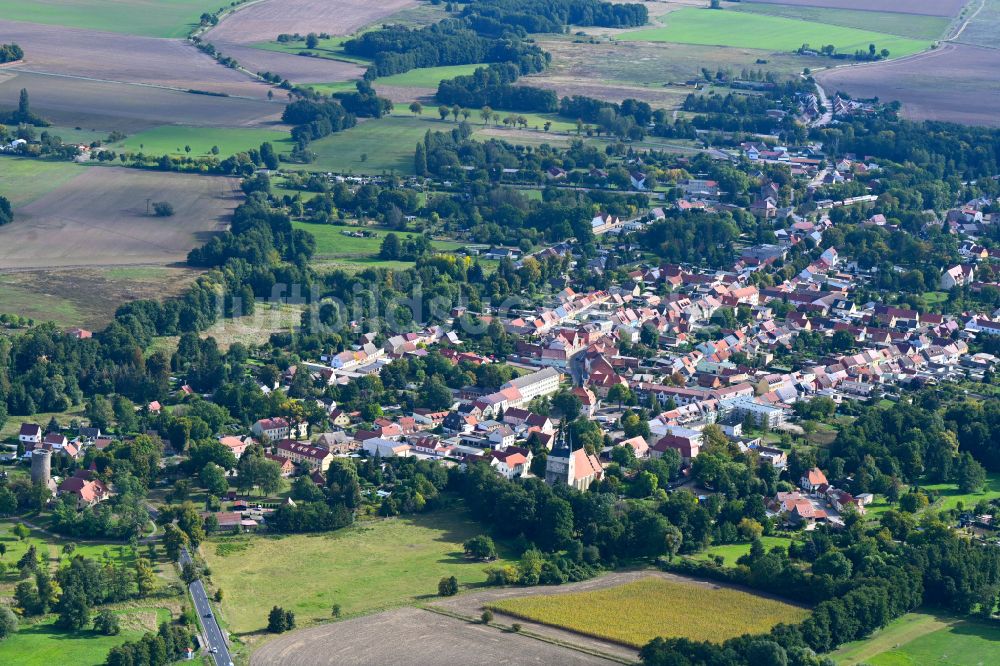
[(212, 632)]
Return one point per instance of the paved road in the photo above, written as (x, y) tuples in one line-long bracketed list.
[(212, 632)]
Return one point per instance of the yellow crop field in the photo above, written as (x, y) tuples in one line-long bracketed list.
[(635, 613)]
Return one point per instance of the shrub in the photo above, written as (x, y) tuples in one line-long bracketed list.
[(163, 209)]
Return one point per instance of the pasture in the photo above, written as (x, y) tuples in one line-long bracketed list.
[(369, 566), (954, 82), (24, 180), (951, 496), (99, 218), (384, 145), (175, 18), (636, 612), (41, 643), (925, 638), (175, 139), (428, 77), (921, 7), (916, 26), (731, 552), (772, 33)]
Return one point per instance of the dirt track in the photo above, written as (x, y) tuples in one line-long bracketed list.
[(416, 638), (99, 219)]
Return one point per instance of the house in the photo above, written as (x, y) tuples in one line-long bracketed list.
[(30, 435), (688, 446), (285, 464), (638, 179), (238, 445), (812, 480), (88, 492), (957, 276), (512, 463), (312, 457), (638, 445), (386, 448), (574, 468), (337, 442), (272, 430)]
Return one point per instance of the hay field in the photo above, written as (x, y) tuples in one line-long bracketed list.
[(954, 82), (107, 106), (924, 7), (112, 57), (637, 612), (772, 33), (99, 218)]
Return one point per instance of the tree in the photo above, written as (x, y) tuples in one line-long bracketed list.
[(8, 503), (420, 160), (481, 548), (416, 108), (74, 611), (8, 622), (833, 563), (443, 111), (343, 484), (391, 247), (312, 41), (190, 573), (619, 393), (448, 586), (145, 577), (163, 209), (21, 531), (268, 156), (277, 620), (455, 111), (107, 623), (213, 479), (486, 113), (336, 610), (970, 475), (174, 540)]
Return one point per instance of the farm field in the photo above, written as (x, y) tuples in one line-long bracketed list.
[(925, 639), (172, 140), (923, 7), (954, 82), (984, 28), (637, 612), (742, 29), (24, 180), (367, 567), (42, 643), (387, 145), (99, 218), (428, 77), (429, 638), (733, 551), (108, 106), (133, 17), (916, 26), (86, 297), (111, 57)]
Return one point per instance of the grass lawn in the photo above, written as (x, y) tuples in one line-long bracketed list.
[(20, 300), (635, 613), (331, 240), (373, 146), (23, 180), (893, 23), (42, 643), (774, 33), (330, 88), (367, 567), (13, 425), (428, 77), (172, 139), (734, 551), (951, 495), (173, 18), (925, 639)]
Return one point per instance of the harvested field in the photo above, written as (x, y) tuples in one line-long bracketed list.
[(263, 21), (99, 219), (925, 7), (984, 26), (130, 108), (87, 297), (295, 68), (637, 612), (417, 637), (955, 83), (112, 57), (612, 92)]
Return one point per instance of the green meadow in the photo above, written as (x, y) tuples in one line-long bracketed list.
[(174, 139), (162, 18), (770, 33)]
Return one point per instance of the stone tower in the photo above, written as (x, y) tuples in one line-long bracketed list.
[(41, 466)]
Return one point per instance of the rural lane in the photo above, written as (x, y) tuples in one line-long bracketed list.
[(212, 632)]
